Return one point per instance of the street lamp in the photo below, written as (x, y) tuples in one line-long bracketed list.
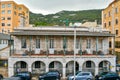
[(74, 51)]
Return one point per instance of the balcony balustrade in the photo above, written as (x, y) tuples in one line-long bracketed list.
[(56, 53)]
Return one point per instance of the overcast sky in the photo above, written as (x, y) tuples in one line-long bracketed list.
[(53, 6)]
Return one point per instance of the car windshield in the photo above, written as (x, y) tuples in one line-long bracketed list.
[(103, 73), (83, 74), (111, 74), (22, 74), (78, 72), (52, 73)]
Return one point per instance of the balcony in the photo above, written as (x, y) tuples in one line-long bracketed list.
[(43, 53)]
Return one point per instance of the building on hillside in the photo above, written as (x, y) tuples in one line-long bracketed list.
[(4, 40), (40, 49), (90, 24), (110, 21), (4, 53), (12, 16)]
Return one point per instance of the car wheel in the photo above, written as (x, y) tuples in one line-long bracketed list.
[(57, 79), (117, 79), (42, 79), (88, 79)]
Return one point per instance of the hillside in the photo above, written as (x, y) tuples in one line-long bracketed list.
[(65, 17)]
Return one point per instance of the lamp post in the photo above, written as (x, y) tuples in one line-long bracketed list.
[(74, 51)]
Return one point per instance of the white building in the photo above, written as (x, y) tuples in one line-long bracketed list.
[(4, 40), (41, 49)]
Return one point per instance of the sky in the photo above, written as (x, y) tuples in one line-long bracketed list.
[(52, 6)]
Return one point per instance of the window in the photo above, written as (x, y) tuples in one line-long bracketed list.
[(3, 18), (9, 5), (3, 11), (109, 14), (65, 42), (109, 23), (8, 18), (110, 44), (0, 41), (8, 31), (116, 10), (116, 32), (14, 7), (9, 11), (3, 24), (20, 8), (116, 21), (77, 44), (2, 30), (23, 43), (3, 5), (8, 24), (23, 64), (51, 65), (37, 64), (101, 64), (117, 44), (88, 64), (51, 43), (15, 13), (104, 15), (27, 11), (104, 25), (37, 43), (88, 43)]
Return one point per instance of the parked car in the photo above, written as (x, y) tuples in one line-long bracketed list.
[(107, 76), (71, 74), (82, 76), (1, 76), (12, 78), (51, 75), (24, 75)]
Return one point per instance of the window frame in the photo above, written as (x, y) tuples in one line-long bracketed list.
[(23, 43)]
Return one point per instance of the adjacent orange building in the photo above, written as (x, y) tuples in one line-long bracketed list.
[(111, 21), (12, 15)]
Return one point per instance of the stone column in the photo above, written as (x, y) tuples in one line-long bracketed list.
[(80, 67), (47, 67), (64, 70), (10, 71), (10, 67), (113, 44), (80, 64), (96, 70), (29, 68)]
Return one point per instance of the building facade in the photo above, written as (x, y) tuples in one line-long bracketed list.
[(12, 16), (41, 49), (110, 21)]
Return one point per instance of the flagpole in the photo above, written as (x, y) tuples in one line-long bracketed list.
[(74, 51)]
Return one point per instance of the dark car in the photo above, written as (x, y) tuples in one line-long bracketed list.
[(1, 76), (51, 75), (24, 75), (107, 76)]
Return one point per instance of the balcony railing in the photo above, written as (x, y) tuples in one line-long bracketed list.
[(56, 53)]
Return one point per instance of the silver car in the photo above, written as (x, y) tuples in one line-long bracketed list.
[(13, 78), (82, 76)]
